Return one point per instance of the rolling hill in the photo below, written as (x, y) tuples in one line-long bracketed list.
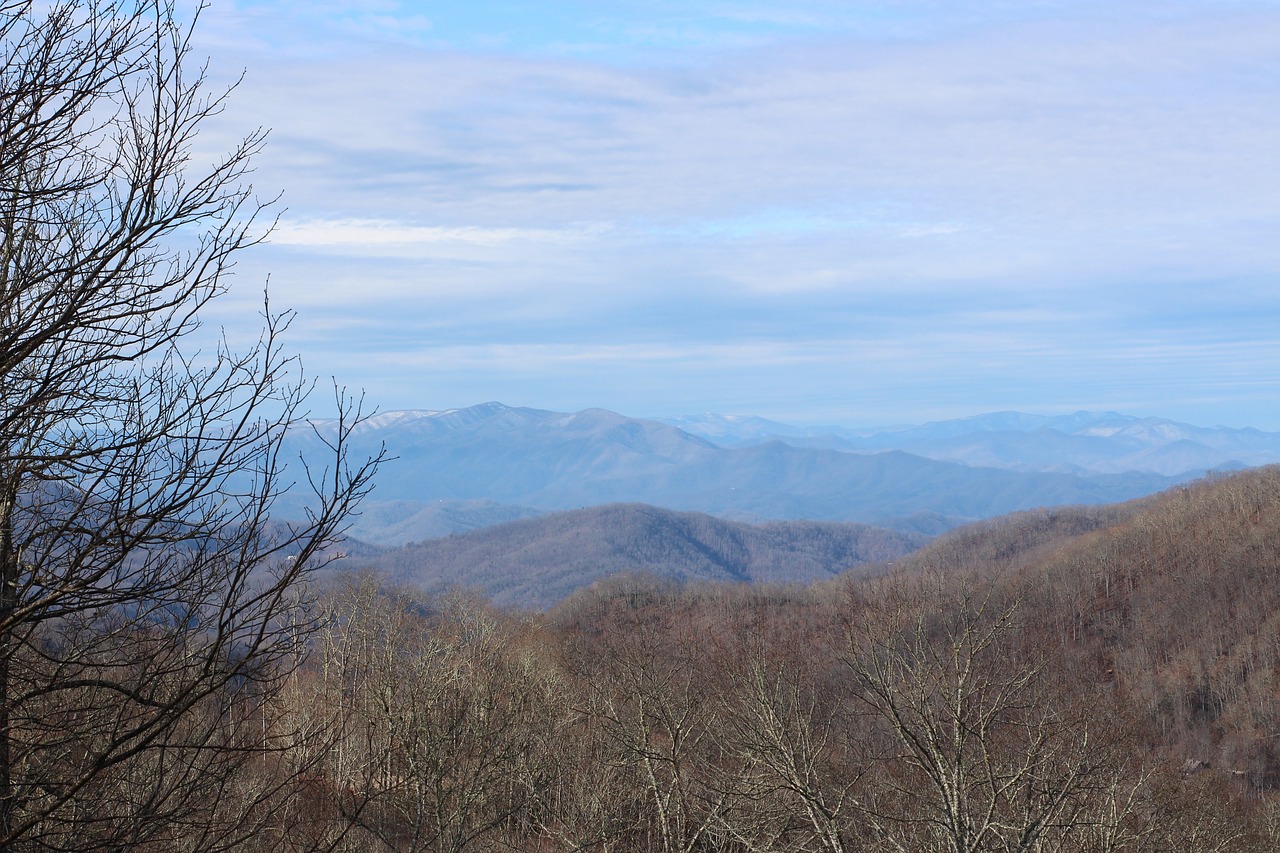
[(534, 563)]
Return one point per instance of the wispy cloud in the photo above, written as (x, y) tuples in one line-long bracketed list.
[(379, 235), (695, 177)]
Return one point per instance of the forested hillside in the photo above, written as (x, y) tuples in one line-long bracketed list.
[(537, 562), (1098, 679)]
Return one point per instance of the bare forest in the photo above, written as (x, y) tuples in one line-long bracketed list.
[(1075, 680)]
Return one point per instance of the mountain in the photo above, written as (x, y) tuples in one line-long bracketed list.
[(536, 562), (1082, 442), (740, 430), (535, 460)]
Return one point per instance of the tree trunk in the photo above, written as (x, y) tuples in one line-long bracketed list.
[(8, 599)]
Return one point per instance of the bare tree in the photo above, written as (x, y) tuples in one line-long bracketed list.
[(146, 598), (977, 751), (648, 698), (796, 786), (440, 720)]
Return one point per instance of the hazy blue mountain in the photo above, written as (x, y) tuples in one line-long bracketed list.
[(535, 460), (737, 430), (536, 562), (1082, 442)]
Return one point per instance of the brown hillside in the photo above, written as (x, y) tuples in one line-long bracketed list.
[(536, 562), (1173, 601), (1075, 681)]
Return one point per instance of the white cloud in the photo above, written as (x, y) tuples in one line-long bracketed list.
[(379, 235)]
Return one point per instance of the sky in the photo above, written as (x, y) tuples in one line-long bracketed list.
[(821, 212)]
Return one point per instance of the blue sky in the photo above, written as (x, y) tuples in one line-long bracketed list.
[(817, 211)]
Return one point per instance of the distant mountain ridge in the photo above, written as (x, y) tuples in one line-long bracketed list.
[(470, 467), (1081, 442)]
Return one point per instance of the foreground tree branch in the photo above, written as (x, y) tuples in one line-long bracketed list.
[(148, 604)]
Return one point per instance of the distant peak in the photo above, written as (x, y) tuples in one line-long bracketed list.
[(492, 407)]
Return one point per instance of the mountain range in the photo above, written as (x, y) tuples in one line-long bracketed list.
[(464, 469), (1081, 443)]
